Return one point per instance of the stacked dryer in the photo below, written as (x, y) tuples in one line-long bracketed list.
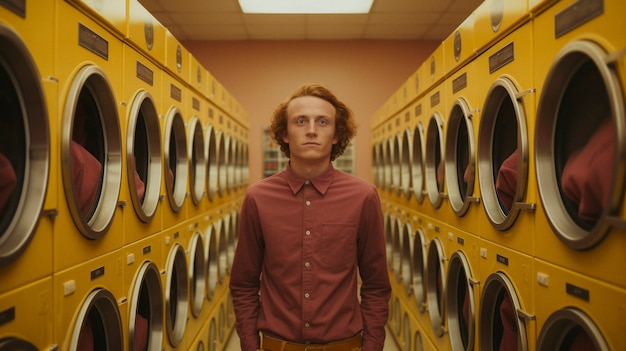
[(516, 242), (109, 176)]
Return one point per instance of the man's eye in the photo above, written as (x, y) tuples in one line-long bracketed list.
[(323, 122), (300, 121)]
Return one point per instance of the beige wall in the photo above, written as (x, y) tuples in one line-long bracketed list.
[(261, 74)]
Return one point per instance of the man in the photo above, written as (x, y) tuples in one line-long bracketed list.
[(306, 236)]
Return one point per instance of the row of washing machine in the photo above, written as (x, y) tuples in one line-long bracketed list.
[(512, 133), (112, 153), (453, 290), (168, 291)]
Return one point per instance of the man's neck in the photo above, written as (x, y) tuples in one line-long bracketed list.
[(307, 169)]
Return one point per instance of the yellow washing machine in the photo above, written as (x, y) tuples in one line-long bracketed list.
[(175, 154), (88, 304), (198, 307), (418, 154), (506, 319), (210, 152), (89, 71), (436, 271), (462, 289), (396, 248), (505, 169), (176, 285), (412, 335), (197, 166), (222, 231), (144, 151), (28, 155), (211, 255), (460, 150), (405, 140), (27, 317), (143, 319), (418, 304), (145, 32), (495, 19), (406, 267), (575, 312), (434, 154), (580, 138), (110, 13), (223, 153)]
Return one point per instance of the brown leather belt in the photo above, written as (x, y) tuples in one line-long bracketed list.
[(272, 344)]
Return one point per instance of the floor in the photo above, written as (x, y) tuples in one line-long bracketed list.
[(233, 343)]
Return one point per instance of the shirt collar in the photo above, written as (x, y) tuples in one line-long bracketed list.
[(320, 183)]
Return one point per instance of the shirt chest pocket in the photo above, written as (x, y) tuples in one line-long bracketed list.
[(337, 245)]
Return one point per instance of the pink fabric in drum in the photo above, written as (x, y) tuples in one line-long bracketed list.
[(509, 325), (8, 182), (141, 332), (86, 176), (506, 182), (587, 174)]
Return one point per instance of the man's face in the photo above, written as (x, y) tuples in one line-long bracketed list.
[(310, 129)]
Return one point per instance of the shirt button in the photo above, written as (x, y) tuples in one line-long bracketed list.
[(307, 264), (307, 325), (306, 182), (307, 295), (308, 203), (308, 232)]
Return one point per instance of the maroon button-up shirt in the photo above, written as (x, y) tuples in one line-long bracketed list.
[(302, 245)]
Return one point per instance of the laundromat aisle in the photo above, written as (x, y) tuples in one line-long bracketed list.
[(233, 343)]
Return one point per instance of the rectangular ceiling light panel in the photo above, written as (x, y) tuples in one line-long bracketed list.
[(306, 6)]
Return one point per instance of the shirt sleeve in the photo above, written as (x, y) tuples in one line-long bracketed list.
[(245, 276), (376, 289)]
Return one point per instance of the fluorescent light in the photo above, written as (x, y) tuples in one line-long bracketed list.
[(306, 6)]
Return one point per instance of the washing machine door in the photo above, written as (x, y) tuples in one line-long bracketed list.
[(581, 145), (570, 329), (24, 146)]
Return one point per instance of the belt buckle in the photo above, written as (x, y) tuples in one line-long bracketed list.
[(314, 348)]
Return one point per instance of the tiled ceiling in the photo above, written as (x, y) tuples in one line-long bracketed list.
[(199, 20)]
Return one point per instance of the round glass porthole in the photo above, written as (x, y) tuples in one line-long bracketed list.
[(212, 162), (145, 324), (143, 156), (197, 274), (580, 160), (212, 261), (434, 162), (197, 164), (419, 269), (176, 159), (570, 328), (405, 163), (460, 158), (436, 286), (98, 325), (460, 303), (417, 163), (223, 150), (91, 152), (25, 147), (503, 154), (176, 295), (406, 263), (500, 327)]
